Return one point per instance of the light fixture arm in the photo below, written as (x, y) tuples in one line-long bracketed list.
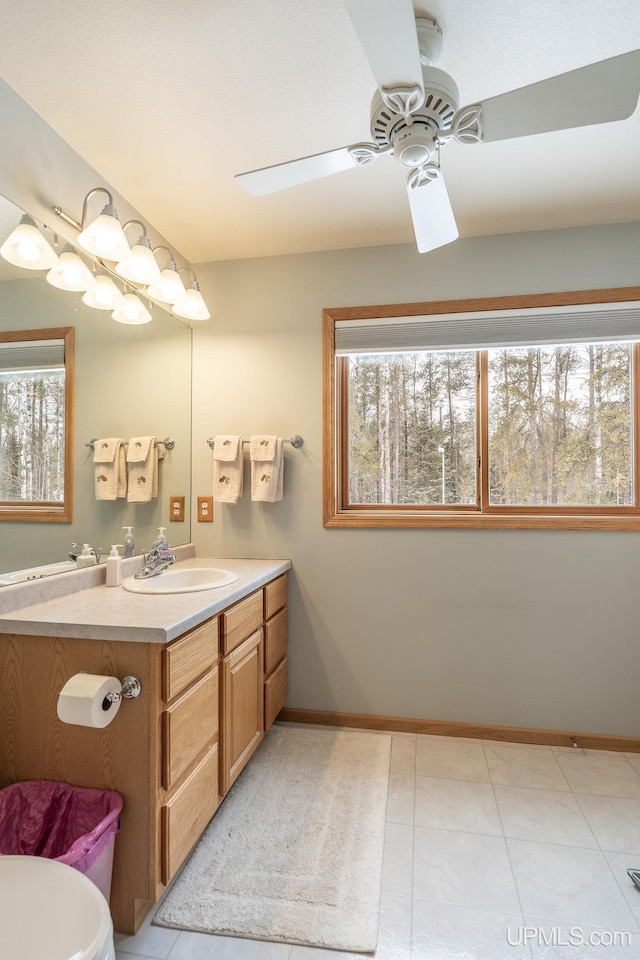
[(161, 246), (190, 271), (80, 224), (140, 224), (86, 201)]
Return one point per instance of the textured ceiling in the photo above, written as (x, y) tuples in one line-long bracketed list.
[(168, 101)]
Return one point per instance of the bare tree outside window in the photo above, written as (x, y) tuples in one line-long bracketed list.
[(560, 425), (412, 428), (32, 435)]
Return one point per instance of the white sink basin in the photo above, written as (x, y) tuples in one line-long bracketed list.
[(182, 581)]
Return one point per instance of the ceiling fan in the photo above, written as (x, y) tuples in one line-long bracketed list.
[(415, 110)]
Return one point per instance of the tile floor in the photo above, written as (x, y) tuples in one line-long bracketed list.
[(493, 851)]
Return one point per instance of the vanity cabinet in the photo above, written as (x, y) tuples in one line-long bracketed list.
[(190, 751), (207, 699), (275, 648)]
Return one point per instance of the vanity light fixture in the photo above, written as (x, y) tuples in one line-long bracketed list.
[(70, 272), (190, 305), (104, 236), (27, 247), (139, 265), (103, 294), (131, 310), (169, 286)]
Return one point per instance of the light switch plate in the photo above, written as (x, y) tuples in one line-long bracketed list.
[(176, 509), (205, 509)]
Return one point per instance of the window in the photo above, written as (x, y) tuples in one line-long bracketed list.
[(36, 376), (515, 412)]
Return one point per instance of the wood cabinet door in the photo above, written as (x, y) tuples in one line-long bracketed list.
[(242, 706)]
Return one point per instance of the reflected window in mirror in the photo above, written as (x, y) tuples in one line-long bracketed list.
[(36, 424)]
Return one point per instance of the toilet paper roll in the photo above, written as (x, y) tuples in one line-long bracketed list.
[(82, 700)]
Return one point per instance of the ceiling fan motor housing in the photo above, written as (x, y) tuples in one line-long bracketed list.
[(414, 138)]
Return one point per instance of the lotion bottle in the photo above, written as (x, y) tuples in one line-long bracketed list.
[(129, 545), (86, 558), (114, 564)]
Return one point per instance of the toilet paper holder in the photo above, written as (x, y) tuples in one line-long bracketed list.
[(130, 688)]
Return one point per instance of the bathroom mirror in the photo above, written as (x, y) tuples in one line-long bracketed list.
[(130, 381)]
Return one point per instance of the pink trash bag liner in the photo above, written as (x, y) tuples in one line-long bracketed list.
[(42, 818)]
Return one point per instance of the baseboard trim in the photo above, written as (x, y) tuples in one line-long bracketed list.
[(446, 728)]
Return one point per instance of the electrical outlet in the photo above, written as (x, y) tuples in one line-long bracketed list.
[(176, 509), (205, 509)]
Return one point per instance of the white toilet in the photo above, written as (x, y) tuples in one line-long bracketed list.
[(49, 910)]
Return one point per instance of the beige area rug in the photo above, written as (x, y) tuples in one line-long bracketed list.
[(294, 853)]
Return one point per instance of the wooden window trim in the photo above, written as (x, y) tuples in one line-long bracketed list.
[(50, 512), (335, 483)]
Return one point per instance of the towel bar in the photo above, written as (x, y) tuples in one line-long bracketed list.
[(168, 442), (295, 441)]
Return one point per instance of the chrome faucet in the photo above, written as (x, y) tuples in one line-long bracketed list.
[(157, 562)]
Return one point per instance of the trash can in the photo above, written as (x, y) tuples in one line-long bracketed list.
[(75, 825)]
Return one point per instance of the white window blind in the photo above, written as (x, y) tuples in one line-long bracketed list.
[(582, 323), (31, 355)]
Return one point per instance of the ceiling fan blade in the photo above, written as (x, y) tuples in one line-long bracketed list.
[(290, 174), (433, 221), (387, 31), (601, 92)]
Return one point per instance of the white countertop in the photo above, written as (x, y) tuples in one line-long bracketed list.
[(111, 613)]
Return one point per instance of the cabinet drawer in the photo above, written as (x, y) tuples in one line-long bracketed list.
[(187, 813), (188, 658), (241, 621), (188, 726), (275, 596), (275, 641), (275, 694)]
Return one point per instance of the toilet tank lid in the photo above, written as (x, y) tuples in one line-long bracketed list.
[(48, 909)]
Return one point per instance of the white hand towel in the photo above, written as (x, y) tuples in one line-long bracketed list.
[(262, 448), (226, 448), (267, 475), (110, 472), (142, 459), (227, 473)]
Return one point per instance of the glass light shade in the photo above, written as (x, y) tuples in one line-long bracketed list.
[(27, 247), (131, 310), (168, 287), (104, 236), (103, 294), (140, 265), (70, 273), (191, 305)]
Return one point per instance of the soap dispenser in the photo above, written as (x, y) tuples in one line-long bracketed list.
[(129, 545), (114, 563), (86, 558), (161, 544)]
